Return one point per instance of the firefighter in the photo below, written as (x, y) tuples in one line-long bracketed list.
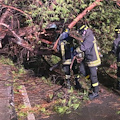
[(91, 58), (116, 51), (65, 47)]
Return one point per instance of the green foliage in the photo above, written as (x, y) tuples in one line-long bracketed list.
[(50, 11), (43, 78), (22, 114), (69, 102), (118, 112), (6, 1), (6, 61), (102, 19), (21, 70), (55, 59)]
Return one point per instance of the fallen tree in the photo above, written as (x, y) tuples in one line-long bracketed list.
[(35, 40)]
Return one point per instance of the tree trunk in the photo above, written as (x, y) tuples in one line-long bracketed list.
[(79, 17)]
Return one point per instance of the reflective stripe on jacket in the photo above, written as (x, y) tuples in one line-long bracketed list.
[(65, 52), (64, 47), (89, 47)]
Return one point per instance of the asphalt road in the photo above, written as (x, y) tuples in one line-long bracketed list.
[(105, 107)]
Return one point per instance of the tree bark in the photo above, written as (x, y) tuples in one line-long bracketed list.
[(2, 19)]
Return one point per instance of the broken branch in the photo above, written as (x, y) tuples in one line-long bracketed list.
[(19, 41)]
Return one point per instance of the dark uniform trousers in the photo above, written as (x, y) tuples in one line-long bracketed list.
[(67, 51), (92, 71), (75, 69)]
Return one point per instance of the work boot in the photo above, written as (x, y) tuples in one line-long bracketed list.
[(96, 89), (68, 85), (118, 85), (93, 96), (77, 84)]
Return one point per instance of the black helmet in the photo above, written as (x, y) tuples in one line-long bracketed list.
[(117, 29), (82, 29)]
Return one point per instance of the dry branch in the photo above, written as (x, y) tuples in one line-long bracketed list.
[(4, 15), (25, 44), (77, 38), (45, 41), (2, 19), (10, 7), (46, 52), (19, 41)]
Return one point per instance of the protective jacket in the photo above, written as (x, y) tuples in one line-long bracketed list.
[(64, 47), (89, 47), (116, 48)]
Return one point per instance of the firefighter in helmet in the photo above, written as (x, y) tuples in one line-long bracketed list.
[(91, 58), (116, 51), (66, 48)]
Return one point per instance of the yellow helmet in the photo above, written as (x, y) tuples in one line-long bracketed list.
[(117, 29), (82, 29), (85, 27)]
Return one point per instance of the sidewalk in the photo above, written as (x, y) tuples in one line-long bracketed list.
[(6, 110)]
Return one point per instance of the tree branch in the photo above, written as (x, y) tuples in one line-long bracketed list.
[(19, 41), (79, 17), (17, 10)]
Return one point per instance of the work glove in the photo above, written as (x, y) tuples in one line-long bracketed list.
[(79, 54)]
